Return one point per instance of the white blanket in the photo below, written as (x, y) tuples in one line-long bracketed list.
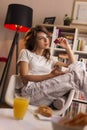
[(46, 91)]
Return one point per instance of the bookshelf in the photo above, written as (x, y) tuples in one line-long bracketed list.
[(81, 38), (74, 34)]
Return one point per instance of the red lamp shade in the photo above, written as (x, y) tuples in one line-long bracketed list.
[(19, 17)]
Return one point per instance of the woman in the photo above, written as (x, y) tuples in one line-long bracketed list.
[(41, 75)]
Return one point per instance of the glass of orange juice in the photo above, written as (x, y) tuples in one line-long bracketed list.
[(20, 107)]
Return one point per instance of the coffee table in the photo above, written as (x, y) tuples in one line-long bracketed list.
[(30, 122)]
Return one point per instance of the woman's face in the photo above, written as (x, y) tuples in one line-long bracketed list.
[(42, 41)]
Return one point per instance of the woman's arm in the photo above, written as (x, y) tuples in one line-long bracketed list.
[(63, 42), (24, 68), (70, 54)]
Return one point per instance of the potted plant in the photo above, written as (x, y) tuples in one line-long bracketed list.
[(67, 20)]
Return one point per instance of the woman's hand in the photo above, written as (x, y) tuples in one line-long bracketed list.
[(24, 79), (57, 72), (62, 42)]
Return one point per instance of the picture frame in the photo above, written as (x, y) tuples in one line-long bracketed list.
[(79, 14), (49, 20)]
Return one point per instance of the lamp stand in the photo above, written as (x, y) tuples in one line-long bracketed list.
[(7, 65)]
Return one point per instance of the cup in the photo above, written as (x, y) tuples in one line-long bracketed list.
[(20, 107)]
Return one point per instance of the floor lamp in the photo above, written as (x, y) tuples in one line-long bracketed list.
[(19, 19)]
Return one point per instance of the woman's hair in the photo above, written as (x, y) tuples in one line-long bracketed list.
[(30, 39)]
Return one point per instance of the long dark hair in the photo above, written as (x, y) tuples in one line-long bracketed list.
[(30, 39)]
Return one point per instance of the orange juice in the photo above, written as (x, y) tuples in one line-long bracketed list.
[(20, 107)]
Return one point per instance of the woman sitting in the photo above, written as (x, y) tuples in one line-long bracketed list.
[(40, 72)]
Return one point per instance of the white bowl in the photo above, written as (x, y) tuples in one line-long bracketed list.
[(56, 125)]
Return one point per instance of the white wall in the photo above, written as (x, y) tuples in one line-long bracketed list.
[(41, 9)]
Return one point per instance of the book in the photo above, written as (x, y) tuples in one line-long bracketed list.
[(82, 44)]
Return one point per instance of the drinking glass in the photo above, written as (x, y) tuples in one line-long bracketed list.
[(20, 107)]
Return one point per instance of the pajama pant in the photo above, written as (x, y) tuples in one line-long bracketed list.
[(46, 91)]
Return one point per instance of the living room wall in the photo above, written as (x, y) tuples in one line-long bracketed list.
[(41, 9)]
